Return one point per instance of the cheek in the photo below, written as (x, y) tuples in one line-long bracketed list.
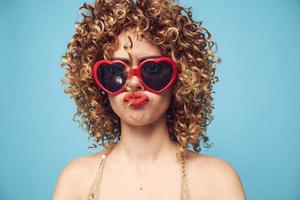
[(161, 104), (114, 103)]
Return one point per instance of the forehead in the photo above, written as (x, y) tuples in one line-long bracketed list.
[(137, 46)]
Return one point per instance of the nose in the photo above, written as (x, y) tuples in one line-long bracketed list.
[(133, 82)]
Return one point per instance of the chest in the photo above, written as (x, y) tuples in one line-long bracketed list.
[(154, 185)]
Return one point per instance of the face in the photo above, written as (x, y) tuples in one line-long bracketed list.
[(133, 50)]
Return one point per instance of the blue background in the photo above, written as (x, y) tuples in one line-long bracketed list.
[(256, 126)]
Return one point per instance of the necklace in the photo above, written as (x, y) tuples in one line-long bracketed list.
[(180, 157)]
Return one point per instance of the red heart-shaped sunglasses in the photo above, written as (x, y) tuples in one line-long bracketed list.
[(155, 74)]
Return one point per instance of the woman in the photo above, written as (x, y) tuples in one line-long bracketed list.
[(141, 74)]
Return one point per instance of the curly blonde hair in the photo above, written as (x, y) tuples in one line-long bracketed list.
[(173, 30)]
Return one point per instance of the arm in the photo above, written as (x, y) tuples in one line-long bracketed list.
[(67, 187), (227, 182)]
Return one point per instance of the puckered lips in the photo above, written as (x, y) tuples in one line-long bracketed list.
[(136, 99)]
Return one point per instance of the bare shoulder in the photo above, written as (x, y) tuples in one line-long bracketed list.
[(76, 177), (213, 178)]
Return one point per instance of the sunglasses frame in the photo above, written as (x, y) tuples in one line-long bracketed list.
[(136, 71)]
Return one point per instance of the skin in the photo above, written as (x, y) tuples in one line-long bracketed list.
[(145, 154)]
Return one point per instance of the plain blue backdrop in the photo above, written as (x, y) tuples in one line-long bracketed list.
[(256, 126)]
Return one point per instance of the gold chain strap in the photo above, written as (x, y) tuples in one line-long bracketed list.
[(185, 194)]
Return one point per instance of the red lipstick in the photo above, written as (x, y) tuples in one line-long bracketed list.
[(136, 99)]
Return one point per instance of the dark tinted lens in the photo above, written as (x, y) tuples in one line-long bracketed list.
[(157, 75), (112, 76)]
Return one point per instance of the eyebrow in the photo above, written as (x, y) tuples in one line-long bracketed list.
[(139, 60)]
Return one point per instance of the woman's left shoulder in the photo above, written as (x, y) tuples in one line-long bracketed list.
[(217, 174), (210, 163)]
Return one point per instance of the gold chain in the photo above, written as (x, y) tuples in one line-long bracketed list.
[(179, 155)]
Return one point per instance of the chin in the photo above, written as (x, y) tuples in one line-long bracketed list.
[(137, 122)]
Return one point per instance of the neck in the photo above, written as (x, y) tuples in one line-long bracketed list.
[(144, 145)]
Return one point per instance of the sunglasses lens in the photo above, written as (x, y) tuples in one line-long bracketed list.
[(112, 76), (157, 75)]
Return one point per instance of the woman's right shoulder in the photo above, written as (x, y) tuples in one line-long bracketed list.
[(83, 162), (77, 176), (83, 165)]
